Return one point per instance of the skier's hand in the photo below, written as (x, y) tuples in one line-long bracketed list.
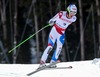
[(51, 23)]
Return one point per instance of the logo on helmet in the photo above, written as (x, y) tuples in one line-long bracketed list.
[(74, 8)]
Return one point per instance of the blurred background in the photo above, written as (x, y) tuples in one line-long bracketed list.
[(19, 19)]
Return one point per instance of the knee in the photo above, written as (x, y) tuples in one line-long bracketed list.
[(50, 48), (50, 42)]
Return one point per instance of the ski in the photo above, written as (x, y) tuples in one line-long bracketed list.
[(68, 67), (37, 70)]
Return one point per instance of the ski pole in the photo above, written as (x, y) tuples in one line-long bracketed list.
[(28, 38)]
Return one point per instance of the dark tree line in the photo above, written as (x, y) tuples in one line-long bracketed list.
[(19, 19)]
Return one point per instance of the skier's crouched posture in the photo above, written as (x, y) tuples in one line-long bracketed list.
[(57, 34)]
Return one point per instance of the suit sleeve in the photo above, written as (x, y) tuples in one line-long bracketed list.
[(74, 18), (58, 15)]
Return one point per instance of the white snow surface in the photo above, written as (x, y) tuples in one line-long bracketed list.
[(80, 69)]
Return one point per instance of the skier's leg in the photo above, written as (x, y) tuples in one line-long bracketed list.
[(60, 42), (45, 54), (51, 41)]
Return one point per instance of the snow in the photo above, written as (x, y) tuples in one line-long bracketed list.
[(80, 69)]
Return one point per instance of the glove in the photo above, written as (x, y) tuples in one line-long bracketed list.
[(51, 23)]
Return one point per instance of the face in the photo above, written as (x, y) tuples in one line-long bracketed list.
[(70, 15)]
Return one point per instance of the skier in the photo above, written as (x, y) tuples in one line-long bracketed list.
[(57, 34)]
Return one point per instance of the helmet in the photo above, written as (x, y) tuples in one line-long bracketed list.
[(72, 9)]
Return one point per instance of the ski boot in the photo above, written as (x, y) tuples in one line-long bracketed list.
[(42, 64), (53, 66)]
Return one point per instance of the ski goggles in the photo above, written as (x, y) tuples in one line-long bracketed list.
[(71, 12)]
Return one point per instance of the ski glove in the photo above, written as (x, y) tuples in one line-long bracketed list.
[(51, 23)]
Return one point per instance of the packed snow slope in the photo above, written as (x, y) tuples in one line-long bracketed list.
[(89, 68)]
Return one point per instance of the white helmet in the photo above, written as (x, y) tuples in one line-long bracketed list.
[(72, 9)]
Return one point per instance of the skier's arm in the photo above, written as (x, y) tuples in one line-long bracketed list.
[(53, 20), (74, 18)]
